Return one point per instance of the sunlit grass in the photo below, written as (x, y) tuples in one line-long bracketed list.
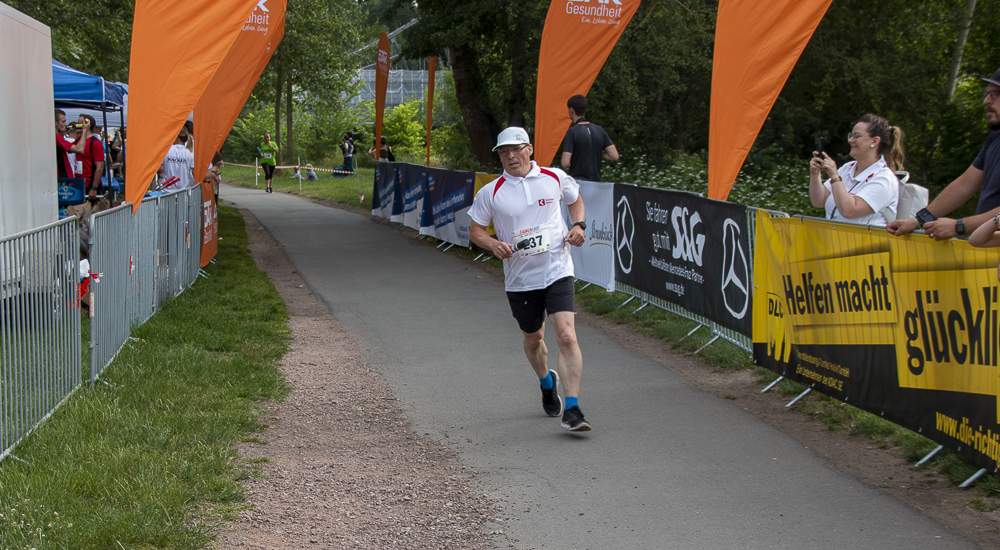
[(146, 461), (346, 189)]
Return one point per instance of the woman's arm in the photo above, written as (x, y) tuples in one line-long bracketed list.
[(986, 235), (817, 191)]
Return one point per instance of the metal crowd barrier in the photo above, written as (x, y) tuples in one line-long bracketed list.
[(139, 263), (39, 327)]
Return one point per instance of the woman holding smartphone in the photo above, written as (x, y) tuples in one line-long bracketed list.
[(864, 190)]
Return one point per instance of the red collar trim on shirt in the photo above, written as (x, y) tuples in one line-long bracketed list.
[(497, 186), (548, 172)]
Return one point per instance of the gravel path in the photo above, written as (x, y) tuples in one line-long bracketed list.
[(340, 465)]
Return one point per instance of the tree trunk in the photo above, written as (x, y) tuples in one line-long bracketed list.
[(279, 81), (515, 117), (956, 58), (477, 125), (290, 147)]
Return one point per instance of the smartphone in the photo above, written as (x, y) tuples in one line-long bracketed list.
[(925, 216), (819, 145)]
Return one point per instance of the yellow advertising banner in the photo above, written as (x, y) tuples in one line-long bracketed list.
[(905, 327)]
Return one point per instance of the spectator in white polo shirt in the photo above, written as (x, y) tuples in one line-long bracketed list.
[(179, 163)]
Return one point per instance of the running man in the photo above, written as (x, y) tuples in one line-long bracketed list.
[(524, 206)]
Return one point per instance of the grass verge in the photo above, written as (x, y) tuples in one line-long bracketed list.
[(146, 461), (343, 190)]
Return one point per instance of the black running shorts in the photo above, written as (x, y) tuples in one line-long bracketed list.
[(529, 307), (268, 171)]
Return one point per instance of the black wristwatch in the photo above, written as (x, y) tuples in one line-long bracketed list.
[(960, 227), (583, 225)]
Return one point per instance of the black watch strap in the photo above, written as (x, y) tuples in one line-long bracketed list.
[(583, 225), (960, 226)]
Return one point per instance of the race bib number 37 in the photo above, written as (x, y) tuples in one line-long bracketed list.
[(534, 240)]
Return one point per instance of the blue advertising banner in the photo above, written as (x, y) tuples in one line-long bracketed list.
[(447, 198), (412, 187), (387, 196), (383, 190), (687, 250)]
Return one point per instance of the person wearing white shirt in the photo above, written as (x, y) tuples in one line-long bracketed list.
[(861, 191), (524, 206), (179, 163)]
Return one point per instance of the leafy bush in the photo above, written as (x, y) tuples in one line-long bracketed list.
[(783, 186)]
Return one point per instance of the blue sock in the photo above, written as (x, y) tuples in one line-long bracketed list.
[(547, 381), (571, 402)]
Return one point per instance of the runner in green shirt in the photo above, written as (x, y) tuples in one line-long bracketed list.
[(269, 153)]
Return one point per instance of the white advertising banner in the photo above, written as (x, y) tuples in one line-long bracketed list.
[(594, 262)]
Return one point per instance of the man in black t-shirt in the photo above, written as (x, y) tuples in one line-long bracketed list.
[(585, 144), (983, 175)]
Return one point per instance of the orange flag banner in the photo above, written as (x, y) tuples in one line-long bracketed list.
[(224, 97), (176, 49), (756, 46), (431, 66), (381, 84), (577, 40)]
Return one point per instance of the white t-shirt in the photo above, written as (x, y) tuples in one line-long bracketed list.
[(179, 163), (877, 186), (530, 208)]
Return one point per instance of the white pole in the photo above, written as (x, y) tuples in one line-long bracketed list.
[(299, 169), (256, 173)]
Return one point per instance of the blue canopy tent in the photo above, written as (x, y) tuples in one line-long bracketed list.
[(73, 88)]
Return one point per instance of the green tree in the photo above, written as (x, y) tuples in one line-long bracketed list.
[(893, 61), (94, 37), (313, 66), (493, 56)]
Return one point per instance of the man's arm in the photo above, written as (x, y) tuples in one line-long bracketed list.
[(98, 172), (77, 146), (577, 213), (610, 153), (564, 161), (950, 198), (479, 235)]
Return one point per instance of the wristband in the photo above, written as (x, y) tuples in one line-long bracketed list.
[(920, 224), (996, 220)]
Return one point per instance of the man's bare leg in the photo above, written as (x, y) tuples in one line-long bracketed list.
[(570, 357)]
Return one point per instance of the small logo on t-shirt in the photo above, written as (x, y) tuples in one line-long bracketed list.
[(543, 202)]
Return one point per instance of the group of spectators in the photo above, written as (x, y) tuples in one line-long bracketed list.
[(83, 149), (866, 190)]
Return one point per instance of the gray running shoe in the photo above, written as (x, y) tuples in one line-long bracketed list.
[(573, 420), (551, 402)]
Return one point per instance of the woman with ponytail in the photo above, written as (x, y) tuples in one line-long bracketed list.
[(860, 191)]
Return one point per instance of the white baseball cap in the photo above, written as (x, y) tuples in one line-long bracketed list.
[(512, 136)]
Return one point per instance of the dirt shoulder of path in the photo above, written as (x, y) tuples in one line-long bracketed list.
[(341, 467)]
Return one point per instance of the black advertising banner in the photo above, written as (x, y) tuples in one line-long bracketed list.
[(906, 328), (687, 250)]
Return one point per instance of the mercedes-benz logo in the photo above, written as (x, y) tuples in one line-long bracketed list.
[(624, 231), (735, 271)]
